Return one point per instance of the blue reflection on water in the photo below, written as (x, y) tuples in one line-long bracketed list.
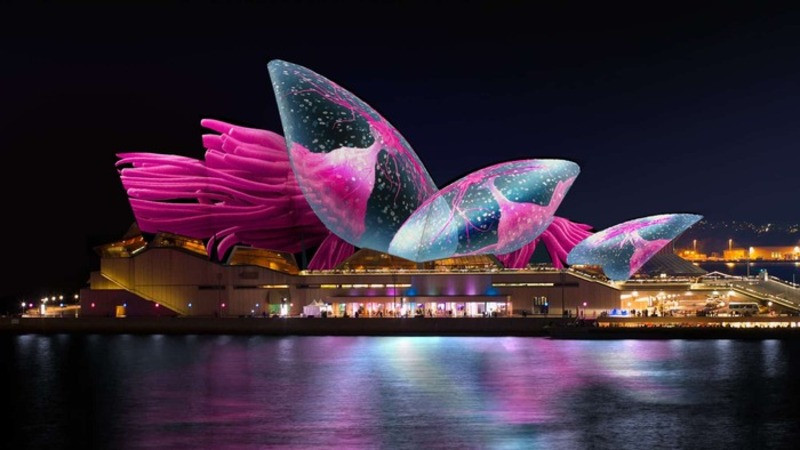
[(200, 391)]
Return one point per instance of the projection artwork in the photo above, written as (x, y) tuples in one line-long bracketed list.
[(357, 172), (498, 209), (623, 249), (344, 178)]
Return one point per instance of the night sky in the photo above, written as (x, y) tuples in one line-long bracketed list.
[(676, 109)]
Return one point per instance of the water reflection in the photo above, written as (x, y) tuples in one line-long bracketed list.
[(198, 391)]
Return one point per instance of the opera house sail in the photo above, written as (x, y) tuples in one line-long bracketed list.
[(341, 178)]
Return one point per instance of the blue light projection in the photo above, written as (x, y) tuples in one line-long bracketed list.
[(623, 249)]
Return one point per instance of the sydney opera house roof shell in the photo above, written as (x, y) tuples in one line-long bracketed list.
[(342, 178)]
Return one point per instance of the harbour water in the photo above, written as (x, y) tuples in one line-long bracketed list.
[(782, 270), (124, 391)]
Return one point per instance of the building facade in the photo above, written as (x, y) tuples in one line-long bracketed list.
[(171, 275)]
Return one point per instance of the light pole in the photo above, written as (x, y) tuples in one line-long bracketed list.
[(23, 307)]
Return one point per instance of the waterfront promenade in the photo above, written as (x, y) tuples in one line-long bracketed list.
[(605, 328)]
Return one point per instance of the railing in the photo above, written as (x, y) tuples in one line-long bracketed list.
[(766, 296)]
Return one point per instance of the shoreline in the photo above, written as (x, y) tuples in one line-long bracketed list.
[(556, 328)]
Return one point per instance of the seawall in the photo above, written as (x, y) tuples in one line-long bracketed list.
[(294, 326), (556, 328)]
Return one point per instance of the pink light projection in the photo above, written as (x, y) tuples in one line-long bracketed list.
[(623, 249), (520, 257), (345, 178), (559, 238), (358, 173), (331, 253), (243, 192), (498, 209)]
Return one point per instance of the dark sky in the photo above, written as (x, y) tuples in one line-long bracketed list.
[(678, 109)]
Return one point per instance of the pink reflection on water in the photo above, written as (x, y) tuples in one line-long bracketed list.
[(360, 391)]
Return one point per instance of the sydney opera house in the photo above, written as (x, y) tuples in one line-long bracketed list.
[(339, 217)]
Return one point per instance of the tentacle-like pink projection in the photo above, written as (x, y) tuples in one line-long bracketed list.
[(520, 257), (559, 238), (331, 253), (244, 192)]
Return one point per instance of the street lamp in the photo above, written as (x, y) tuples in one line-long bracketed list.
[(23, 307), (284, 307)]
